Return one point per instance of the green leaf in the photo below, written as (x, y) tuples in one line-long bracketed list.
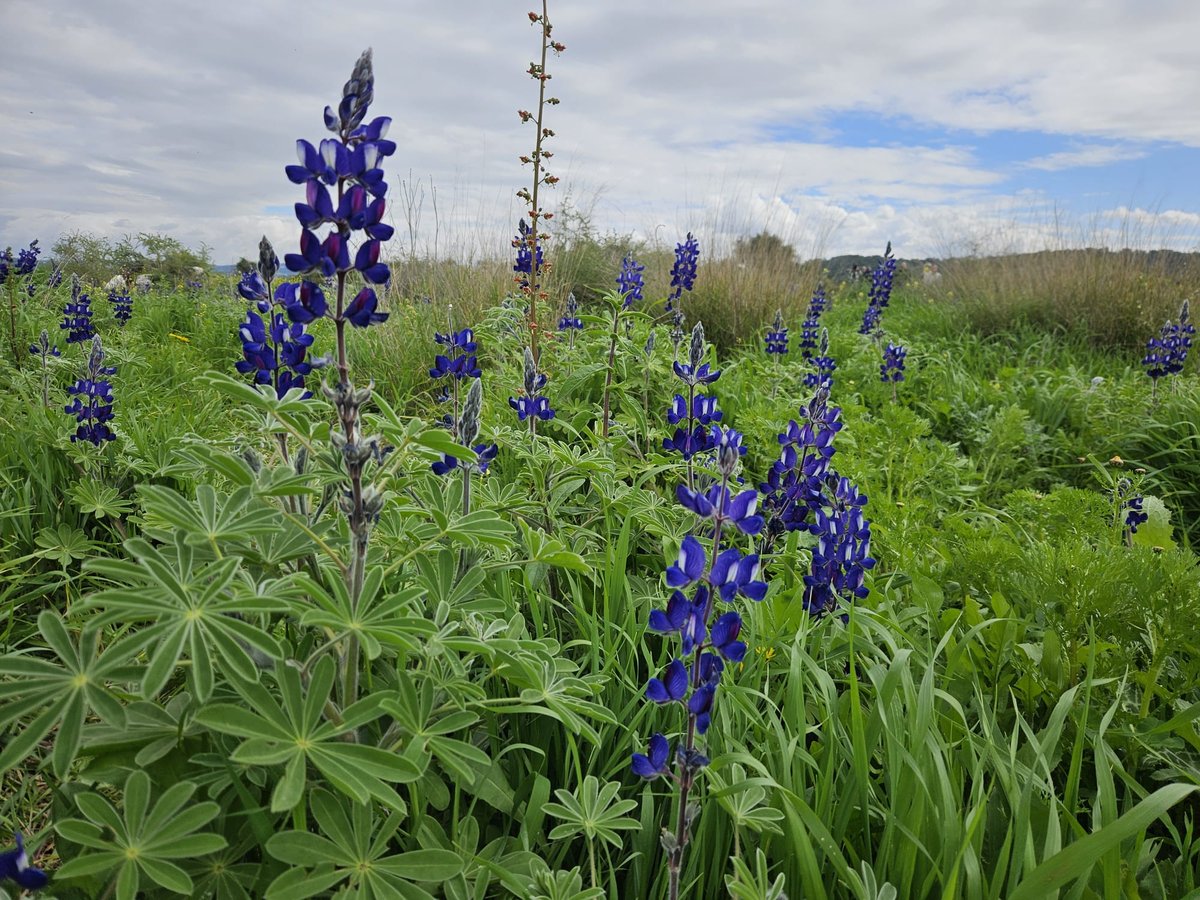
[(1078, 858)]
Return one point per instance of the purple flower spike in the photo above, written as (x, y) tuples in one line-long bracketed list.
[(672, 688), (654, 762)]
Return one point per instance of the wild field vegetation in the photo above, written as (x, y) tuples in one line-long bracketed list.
[(872, 598)]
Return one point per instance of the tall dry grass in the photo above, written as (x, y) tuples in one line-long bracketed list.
[(1072, 285)]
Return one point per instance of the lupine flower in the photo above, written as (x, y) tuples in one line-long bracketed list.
[(27, 259), (1179, 341), (274, 350), (672, 687), (352, 161), (1128, 508), (630, 282), (810, 328), (122, 305), (6, 264), (1134, 516), (77, 315), (777, 336), (824, 364), (55, 278), (459, 360), (683, 272), (44, 348), (1160, 354), (892, 368), (695, 413), (693, 677), (524, 264), (794, 489), (93, 403), (15, 867), (842, 554), (881, 292), (532, 405), (654, 762), (570, 320)]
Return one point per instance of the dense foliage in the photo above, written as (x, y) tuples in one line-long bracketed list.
[(594, 621)]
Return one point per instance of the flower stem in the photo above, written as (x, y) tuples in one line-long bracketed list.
[(612, 362)]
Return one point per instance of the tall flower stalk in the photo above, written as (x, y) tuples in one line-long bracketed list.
[(43, 349), (533, 236), (351, 163), (706, 645), (630, 286)]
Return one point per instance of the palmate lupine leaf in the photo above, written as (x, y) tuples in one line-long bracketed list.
[(592, 812), (190, 604), (427, 731), (140, 840), (354, 845), (379, 619), (296, 733), (213, 519), (61, 692)]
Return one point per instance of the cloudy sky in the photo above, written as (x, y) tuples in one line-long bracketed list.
[(945, 126)]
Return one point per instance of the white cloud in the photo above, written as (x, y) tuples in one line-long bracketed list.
[(1096, 155), (123, 115)]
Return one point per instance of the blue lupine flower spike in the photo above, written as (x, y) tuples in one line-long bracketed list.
[(630, 282), (93, 403), (683, 272), (777, 336), (880, 294)]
